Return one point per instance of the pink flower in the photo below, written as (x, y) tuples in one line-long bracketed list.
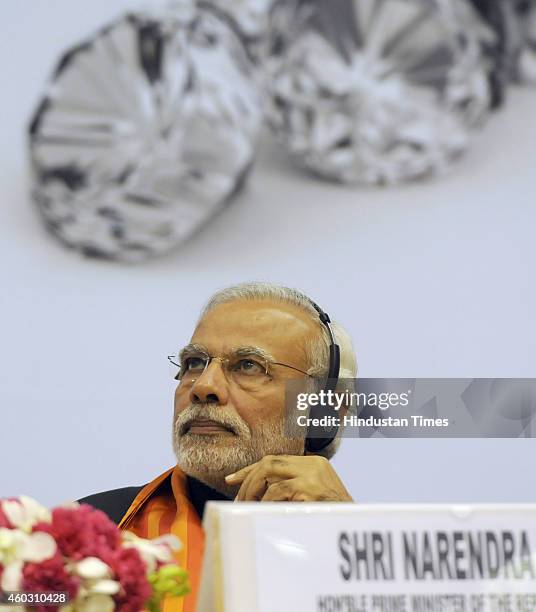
[(49, 576), (131, 573), (82, 532)]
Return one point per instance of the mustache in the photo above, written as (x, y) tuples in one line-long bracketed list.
[(210, 412)]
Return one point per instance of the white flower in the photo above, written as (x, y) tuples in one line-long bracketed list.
[(25, 512), (95, 603), (12, 577), (70, 505), (92, 568), (17, 548), (97, 587), (152, 551), (105, 587), (12, 608)]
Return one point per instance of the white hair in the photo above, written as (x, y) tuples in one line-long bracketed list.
[(317, 350)]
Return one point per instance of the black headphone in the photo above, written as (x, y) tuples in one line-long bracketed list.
[(314, 444)]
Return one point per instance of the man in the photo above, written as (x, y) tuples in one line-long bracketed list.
[(228, 424)]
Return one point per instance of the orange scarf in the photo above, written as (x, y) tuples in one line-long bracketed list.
[(158, 510)]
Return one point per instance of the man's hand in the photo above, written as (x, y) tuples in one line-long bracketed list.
[(289, 478)]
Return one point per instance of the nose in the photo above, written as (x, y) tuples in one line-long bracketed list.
[(211, 387)]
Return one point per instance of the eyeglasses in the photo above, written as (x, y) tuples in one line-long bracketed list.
[(246, 367)]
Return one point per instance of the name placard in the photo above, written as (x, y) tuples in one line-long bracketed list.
[(352, 558)]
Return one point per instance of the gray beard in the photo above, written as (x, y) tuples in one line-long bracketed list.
[(210, 458)]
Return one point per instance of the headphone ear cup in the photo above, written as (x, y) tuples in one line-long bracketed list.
[(319, 437)]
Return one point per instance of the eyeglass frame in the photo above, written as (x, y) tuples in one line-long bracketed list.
[(248, 352)]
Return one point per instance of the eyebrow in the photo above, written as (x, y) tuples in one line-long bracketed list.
[(241, 351), (248, 351), (191, 349)]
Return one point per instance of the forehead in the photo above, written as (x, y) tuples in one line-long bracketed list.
[(280, 329)]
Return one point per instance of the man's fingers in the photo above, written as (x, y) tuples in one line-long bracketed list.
[(268, 470), (294, 490), (254, 485), (280, 466), (245, 493), (311, 479), (279, 491), (240, 475)]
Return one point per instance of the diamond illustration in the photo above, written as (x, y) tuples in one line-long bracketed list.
[(375, 91), (145, 131)]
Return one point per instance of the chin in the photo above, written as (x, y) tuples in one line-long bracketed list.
[(213, 456)]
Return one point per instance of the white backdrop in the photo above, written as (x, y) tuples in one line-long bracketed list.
[(435, 279)]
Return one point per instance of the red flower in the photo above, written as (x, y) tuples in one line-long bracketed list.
[(131, 573), (82, 532), (49, 576)]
